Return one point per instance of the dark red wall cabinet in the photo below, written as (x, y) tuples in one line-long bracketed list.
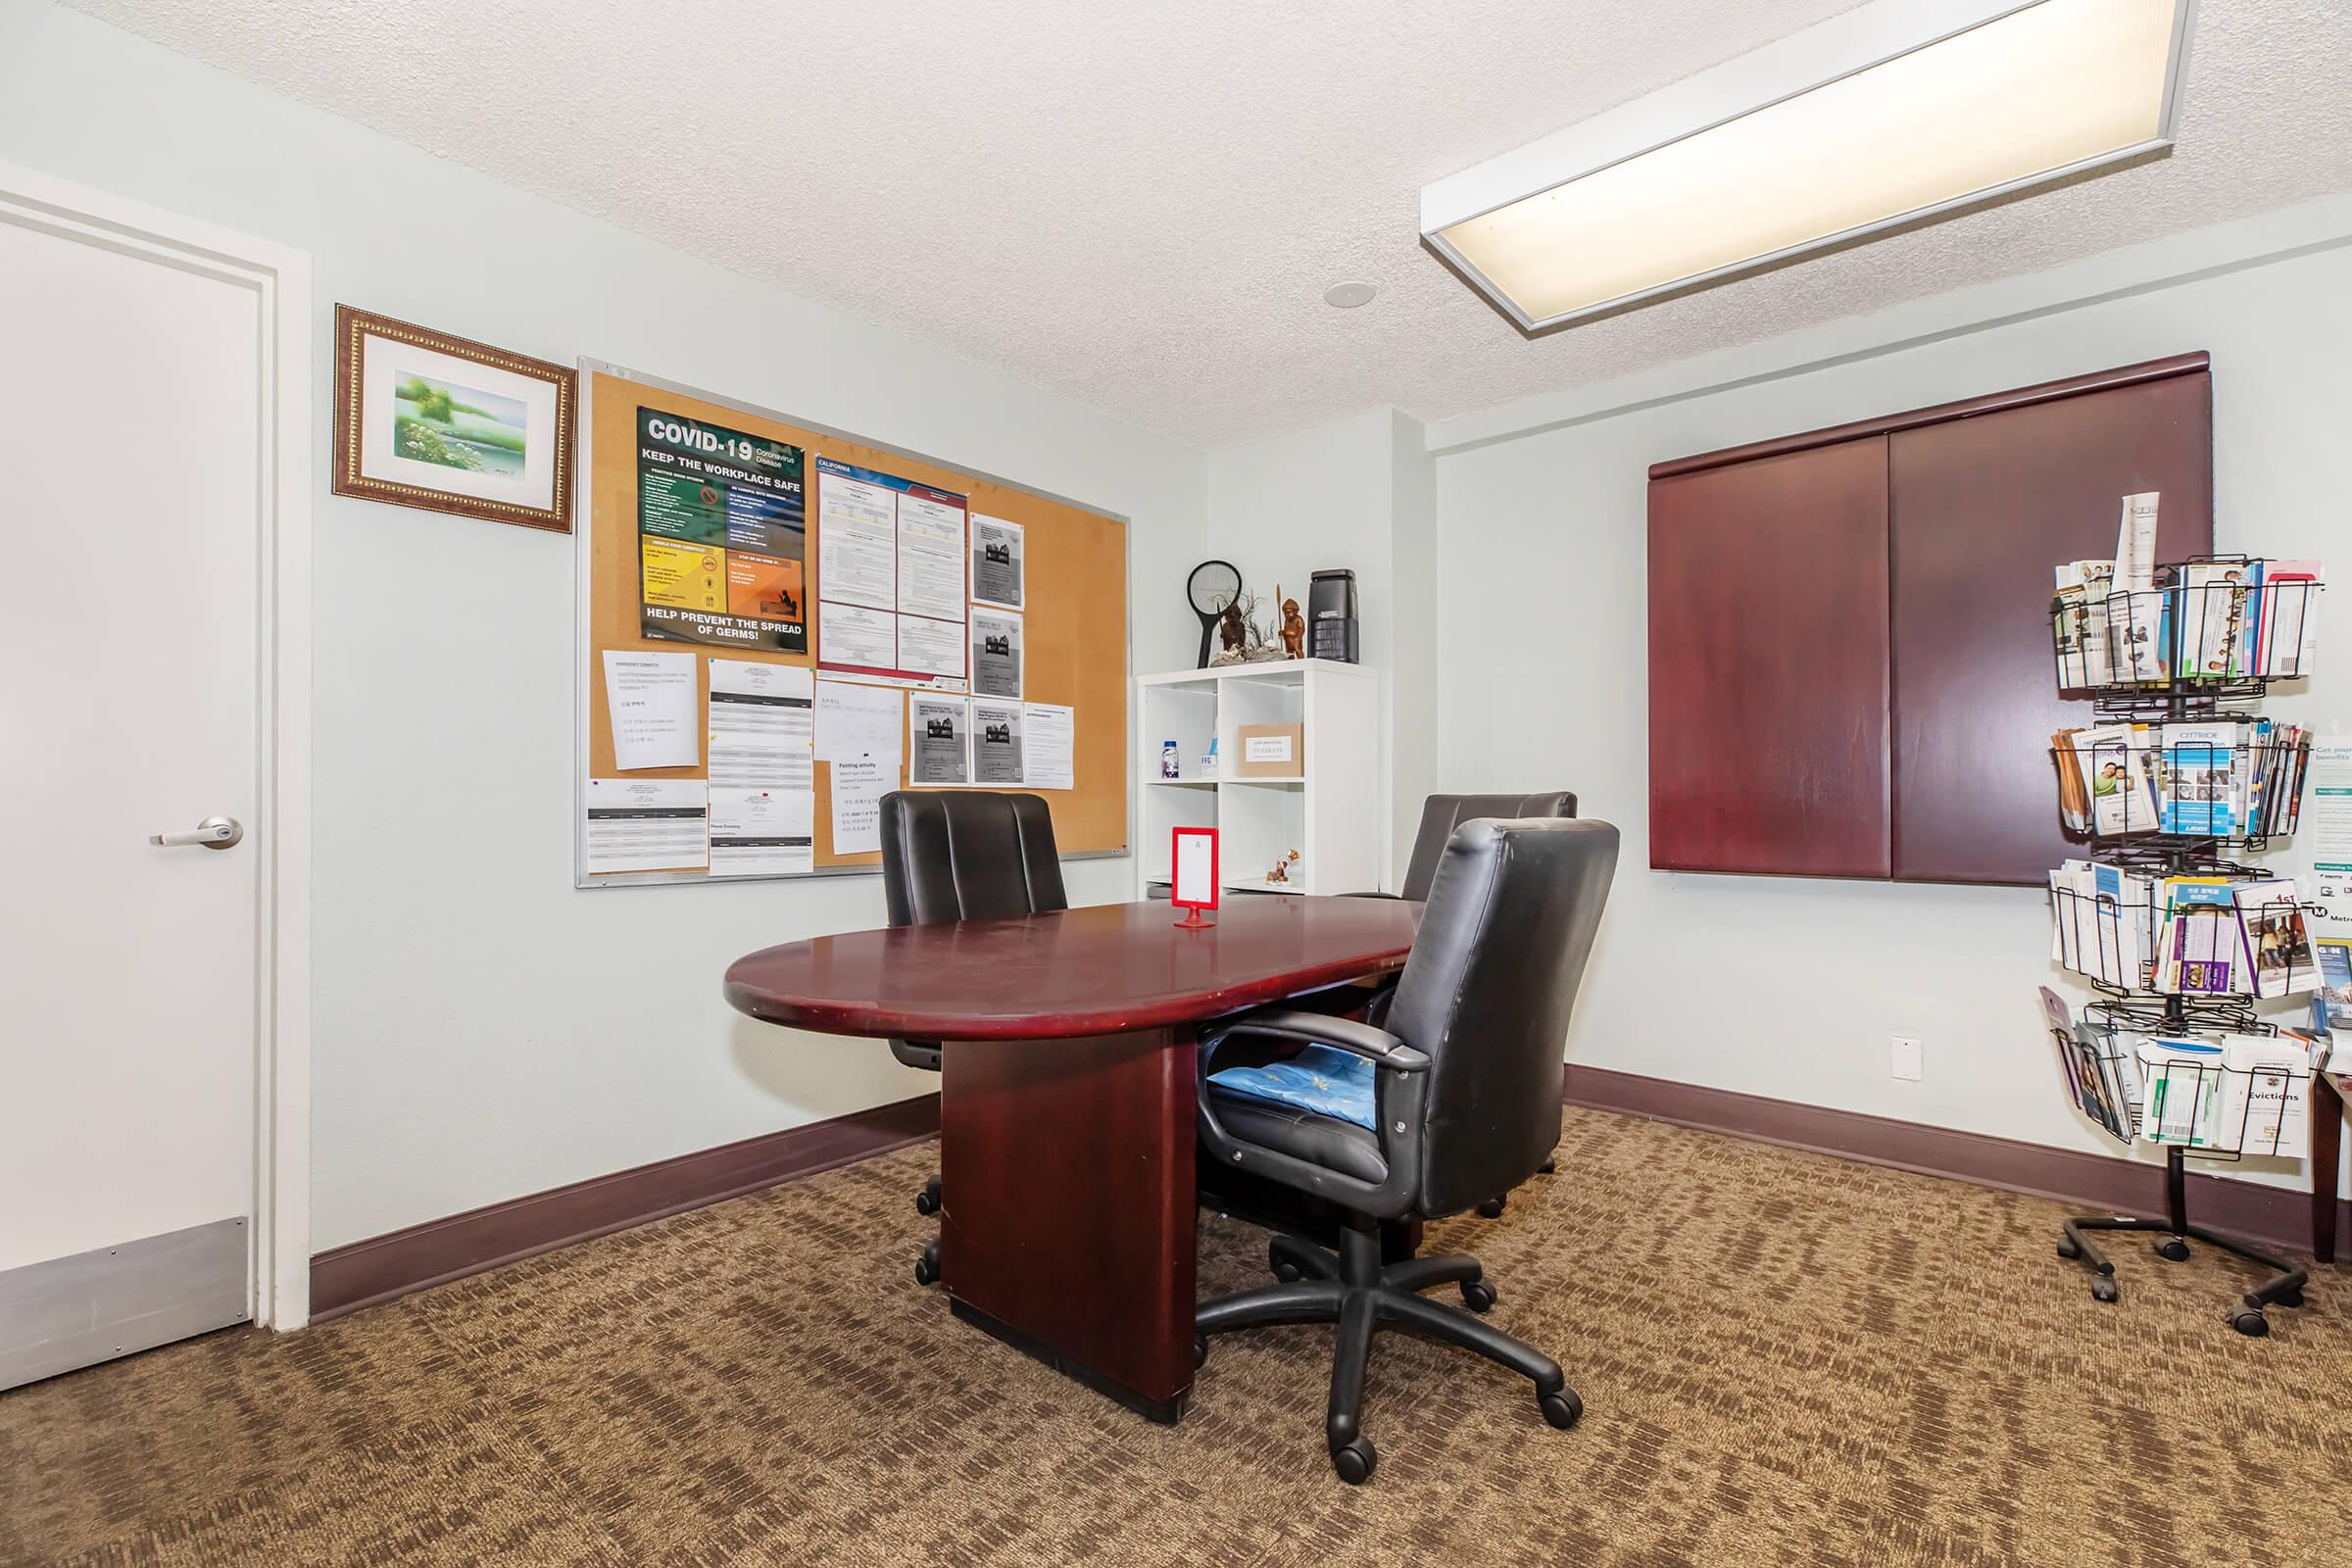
[(1850, 668), (1768, 665)]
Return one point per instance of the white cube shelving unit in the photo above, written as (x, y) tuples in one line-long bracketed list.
[(1328, 812)]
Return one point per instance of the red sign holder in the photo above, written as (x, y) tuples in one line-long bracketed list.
[(1192, 881)]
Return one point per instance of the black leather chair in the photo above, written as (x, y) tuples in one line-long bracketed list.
[(1461, 1093), (962, 855), (1440, 815)]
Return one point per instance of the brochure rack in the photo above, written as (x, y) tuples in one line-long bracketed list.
[(2202, 646), (2180, 793), (2109, 941)]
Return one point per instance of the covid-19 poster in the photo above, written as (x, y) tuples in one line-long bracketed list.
[(722, 535)]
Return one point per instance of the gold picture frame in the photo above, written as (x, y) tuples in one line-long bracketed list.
[(443, 423)]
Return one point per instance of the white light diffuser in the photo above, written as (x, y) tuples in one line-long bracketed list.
[(1890, 112)]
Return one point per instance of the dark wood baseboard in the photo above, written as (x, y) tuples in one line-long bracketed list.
[(381, 1268), (2272, 1216)]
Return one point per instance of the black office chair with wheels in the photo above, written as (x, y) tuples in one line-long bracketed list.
[(962, 855), (1455, 1098), (1440, 815)]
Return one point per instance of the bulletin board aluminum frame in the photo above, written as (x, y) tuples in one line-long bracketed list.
[(587, 679)]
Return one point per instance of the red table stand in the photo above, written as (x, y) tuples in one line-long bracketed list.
[(1192, 874)]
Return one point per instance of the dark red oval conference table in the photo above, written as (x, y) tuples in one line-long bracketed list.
[(1066, 1097)]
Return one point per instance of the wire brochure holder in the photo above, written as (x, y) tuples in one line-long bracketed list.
[(2180, 939)]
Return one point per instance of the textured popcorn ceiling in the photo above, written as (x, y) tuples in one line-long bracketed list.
[(1139, 205)]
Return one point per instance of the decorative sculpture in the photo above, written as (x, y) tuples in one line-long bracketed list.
[(1294, 628), (1247, 637), (1233, 632)]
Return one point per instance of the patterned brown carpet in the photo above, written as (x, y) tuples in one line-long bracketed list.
[(1783, 1358)]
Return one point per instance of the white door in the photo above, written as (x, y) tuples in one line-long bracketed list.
[(131, 477)]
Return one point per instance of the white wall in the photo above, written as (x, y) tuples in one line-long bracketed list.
[(1358, 493), (482, 1029), (1790, 987), (1411, 609)]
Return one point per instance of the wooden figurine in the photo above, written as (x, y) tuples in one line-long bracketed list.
[(1293, 628), (1233, 634)]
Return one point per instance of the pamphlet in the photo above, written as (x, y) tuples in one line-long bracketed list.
[(2200, 946), (646, 824), (2287, 638), (2278, 950), (996, 654), (938, 733), (762, 832), (2334, 955), (2265, 1094), (2078, 621), (997, 741), (2104, 920), (2196, 780), (997, 562), (761, 718), (858, 785), (2181, 1097), (1049, 736), (2135, 542), (2119, 772), (2106, 1077), (650, 698), (2330, 769), (855, 721), (2212, 596), (2139, 614)]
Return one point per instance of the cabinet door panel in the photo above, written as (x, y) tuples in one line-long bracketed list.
[(1982, 509), (1768, 681)]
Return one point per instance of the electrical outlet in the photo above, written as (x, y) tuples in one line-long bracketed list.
[(1909, 1058)]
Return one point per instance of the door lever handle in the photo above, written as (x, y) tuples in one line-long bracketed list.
[(214, 833)]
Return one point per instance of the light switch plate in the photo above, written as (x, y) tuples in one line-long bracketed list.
[(1909, 1058)]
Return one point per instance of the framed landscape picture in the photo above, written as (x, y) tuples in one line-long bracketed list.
[(426, 420)]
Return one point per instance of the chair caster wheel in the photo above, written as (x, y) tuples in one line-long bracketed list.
[(2290, 1299), (926, 1202), (1354, 1461), (926, 1272), (1477, 1295), (2253, 1325), (1288, 1273), (2103, 1289), (2067, 1248), (1491, 1209), (2173, 1250), (1563, 1409), (1200, 1352)]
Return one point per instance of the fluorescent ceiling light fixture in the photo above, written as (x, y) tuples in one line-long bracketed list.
[(1889, 112)]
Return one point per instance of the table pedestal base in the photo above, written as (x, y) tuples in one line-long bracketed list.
[(1068, 1229), (1165, 1411)]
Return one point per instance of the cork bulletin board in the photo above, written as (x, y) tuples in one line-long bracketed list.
[(1075, 612)]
